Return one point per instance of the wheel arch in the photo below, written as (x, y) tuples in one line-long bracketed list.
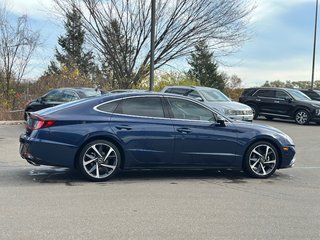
[(301, 108), (106, 137)]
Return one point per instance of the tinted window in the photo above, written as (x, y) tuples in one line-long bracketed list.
[(90, 92), (69, 96), (108, 107), (297, 95), (183, 109), (248, 91), (142, 106), (194, 94), (264, 93), (311, 94), (54, 96), (281, 94), (180, 91)]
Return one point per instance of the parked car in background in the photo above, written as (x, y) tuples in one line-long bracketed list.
[(215, 99), (282, 103), (313, 94), (59, 96), (126, 90), (102, 135)]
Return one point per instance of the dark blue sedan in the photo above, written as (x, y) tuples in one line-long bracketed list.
[(103, 135)]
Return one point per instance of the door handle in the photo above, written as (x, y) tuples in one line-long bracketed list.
[(276, 101), (258, 100), (184, 130), (123, 127)]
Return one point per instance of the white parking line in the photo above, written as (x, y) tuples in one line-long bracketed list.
[(307, 167)]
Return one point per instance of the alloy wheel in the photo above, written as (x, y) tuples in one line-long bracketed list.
[(100, 160), (302, 117), (263, 160)]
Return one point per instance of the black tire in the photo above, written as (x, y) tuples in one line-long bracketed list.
[(94, 154), (255, 110), (261, 167), (269, 118), (302, 117)]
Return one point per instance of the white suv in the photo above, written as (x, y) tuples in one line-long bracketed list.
[(215, 99)]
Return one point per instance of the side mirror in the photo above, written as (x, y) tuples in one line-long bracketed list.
[(221, 123), (199, 99), (288, 99)]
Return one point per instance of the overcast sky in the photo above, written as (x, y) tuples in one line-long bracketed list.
[(280, 47)]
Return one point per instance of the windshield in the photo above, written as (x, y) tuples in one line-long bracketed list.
[(297, 95), (213, 95)]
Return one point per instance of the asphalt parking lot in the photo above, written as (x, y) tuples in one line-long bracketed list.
[(56, 203)]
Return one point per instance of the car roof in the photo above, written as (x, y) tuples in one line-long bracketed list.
[(272, 88), (189, 87)]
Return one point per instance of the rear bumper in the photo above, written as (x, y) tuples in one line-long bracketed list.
[(42, 152)]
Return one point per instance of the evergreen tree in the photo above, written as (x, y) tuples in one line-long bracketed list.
[(118, 60), (72, 55), (204, 68)]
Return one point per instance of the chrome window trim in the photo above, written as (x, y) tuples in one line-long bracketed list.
[(160, 96)]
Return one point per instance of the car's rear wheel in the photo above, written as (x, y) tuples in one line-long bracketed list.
[(255, 111), (99, 160), (261, 160), (302, 117)]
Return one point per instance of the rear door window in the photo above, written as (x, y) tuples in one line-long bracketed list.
[(141, 106), (194, 94), (69, 95), (180, 91), (265, 93), (54, 96), (281, 94)]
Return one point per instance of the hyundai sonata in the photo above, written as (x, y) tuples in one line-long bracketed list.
[(103, 135)]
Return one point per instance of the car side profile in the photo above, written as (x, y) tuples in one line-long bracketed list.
[(282, 103), (58, 96), (103, 135), (215, 99)]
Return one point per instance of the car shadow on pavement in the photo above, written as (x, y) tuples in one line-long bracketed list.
[(69, 177)]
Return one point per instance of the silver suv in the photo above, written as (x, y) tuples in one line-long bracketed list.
[(215, 99)]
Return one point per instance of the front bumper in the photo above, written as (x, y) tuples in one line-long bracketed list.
[(288, 157), (248, 118)]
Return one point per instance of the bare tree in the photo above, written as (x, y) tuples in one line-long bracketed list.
[(17, 44), (180, 24)]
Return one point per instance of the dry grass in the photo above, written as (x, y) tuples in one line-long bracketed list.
[(5, 115)]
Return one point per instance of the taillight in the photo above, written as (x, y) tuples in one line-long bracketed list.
[(35, 122)]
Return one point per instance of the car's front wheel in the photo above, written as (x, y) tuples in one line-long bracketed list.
[(99, 160), (302, 117), (261, 160)]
